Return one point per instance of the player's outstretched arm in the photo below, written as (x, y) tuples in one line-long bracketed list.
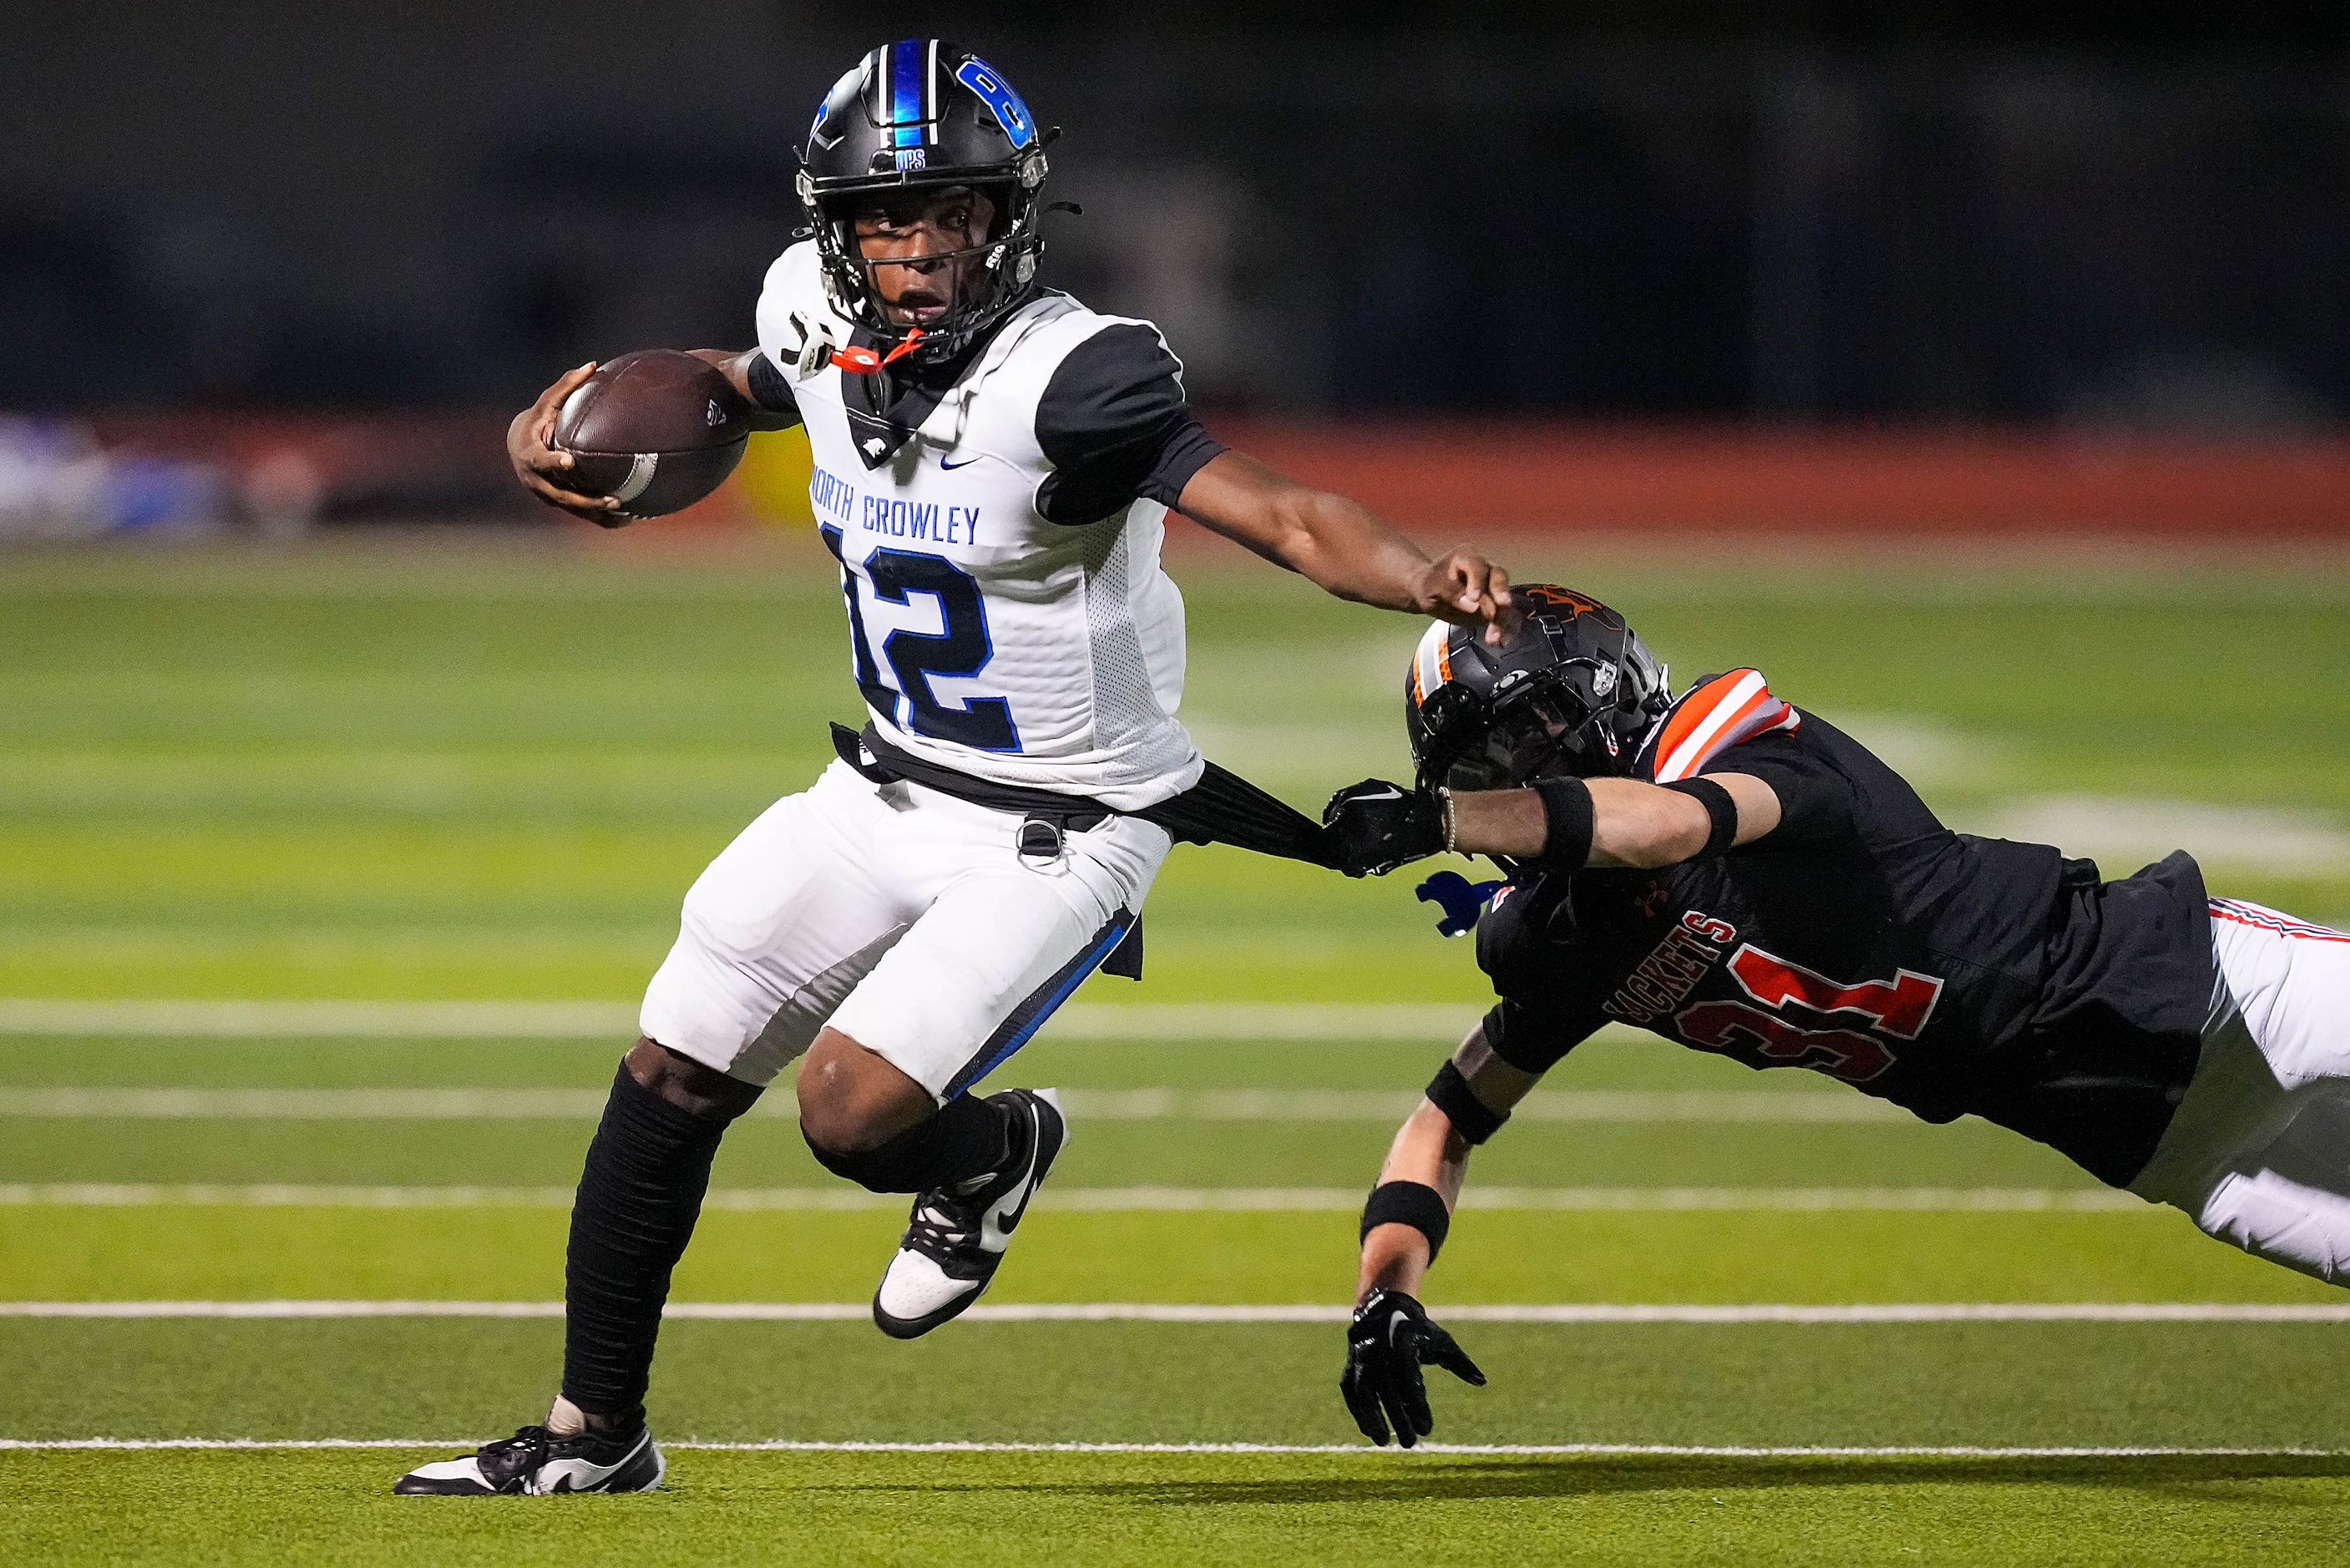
[(1430, 1151), (1391, 1336), (1341, 547), (1377, 826), (1632, 824), (542, 466)]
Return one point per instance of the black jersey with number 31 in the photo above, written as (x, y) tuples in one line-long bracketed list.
[(1862, 938)]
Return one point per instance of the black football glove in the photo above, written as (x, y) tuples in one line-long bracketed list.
[(1375, 826), (1390, 1337)]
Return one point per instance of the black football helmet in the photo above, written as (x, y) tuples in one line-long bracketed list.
[(1573, 692), (922, 112)]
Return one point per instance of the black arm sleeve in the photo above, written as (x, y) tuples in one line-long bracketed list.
[(1816, 799), (1531, 1038), (1114, 423), (772, 391)]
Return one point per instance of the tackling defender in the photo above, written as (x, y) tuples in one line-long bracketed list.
[(994, 466), (1742, 878)]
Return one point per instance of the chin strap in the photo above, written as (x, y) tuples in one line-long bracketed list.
[(864, 362)]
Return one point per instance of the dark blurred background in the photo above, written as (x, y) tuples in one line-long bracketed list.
[(2123, 217)]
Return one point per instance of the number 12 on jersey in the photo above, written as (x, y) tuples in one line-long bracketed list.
[(960, 649)]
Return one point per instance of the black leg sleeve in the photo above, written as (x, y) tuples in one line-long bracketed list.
[(639, 1198), (968, 1139)]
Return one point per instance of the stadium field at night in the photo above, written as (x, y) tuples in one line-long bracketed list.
[(330, 876)]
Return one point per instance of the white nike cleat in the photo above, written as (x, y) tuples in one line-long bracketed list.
[(535, 1462), (954, 1242)]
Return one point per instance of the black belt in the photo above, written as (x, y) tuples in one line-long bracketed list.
[(1221, 808)]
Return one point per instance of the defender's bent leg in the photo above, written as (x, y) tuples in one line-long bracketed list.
[(2259, 1151), (639, 1197), (2272, 1216)]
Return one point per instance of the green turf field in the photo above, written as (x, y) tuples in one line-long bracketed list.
[(447, 771)]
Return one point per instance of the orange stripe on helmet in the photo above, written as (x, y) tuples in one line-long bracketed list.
[(1431, 661)]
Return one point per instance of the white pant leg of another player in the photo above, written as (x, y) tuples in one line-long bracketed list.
[(2259, 1152)]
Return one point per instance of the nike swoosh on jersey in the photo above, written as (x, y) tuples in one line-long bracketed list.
[(966, 462)]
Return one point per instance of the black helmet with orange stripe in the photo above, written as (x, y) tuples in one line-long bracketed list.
[(1573, 690)]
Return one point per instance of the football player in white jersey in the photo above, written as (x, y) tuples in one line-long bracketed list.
[(993, 464)]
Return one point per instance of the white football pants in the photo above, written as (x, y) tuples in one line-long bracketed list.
[(2259, 1152), (908, 920)]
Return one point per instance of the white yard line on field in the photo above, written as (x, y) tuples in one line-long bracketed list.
[(1116, 1199), (1438, 1023), (2126, 832), (1635, 1105), (1599, 1450), (1176, 1311), (348, 1019)]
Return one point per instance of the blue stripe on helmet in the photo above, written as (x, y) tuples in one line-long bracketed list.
[(905, 92)]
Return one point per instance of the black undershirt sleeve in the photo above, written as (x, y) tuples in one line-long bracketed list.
[(1533, 1037), (771, 390), (1113, 424)]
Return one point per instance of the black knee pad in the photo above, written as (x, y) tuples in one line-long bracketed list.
[(966, 1138), (848, 1167)]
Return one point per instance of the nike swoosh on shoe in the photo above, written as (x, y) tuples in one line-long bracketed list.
[(1003, 1216)]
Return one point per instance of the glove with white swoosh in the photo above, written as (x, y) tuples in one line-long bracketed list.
[(1388, 1342), (1375, 826)]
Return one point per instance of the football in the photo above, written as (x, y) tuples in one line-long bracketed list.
[(657, 431)]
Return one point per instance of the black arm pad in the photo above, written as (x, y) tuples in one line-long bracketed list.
[(1471, 1117), (1566, 808), (1408, 1203), (1719, 809)]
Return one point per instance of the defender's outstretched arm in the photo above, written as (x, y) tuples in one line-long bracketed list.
[(1392, 1336), (1429, 1151), (1341, 547), (1632, 824), (1376, 826)]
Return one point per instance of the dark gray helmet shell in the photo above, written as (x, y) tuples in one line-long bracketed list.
[(1573, 690), (922, 113)]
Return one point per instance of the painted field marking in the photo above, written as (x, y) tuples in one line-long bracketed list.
[(1176, 1312), (1118, 1199), (1438, 1023), (2117, 830), (1620, 1105), (1599, 1450)]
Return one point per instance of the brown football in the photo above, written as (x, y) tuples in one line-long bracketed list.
[(657, 431)]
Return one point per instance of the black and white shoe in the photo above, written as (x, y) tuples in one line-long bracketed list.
[(535, 1462), (953, 1241)]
